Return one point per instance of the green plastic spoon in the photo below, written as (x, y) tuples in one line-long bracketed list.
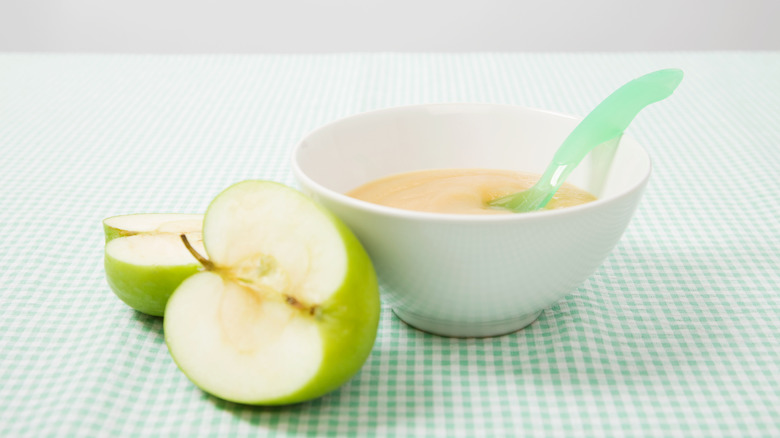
[(607, 121)]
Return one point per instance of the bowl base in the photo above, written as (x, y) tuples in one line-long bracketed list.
[(455, 329)]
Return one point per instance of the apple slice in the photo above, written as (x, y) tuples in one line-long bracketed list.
[(145, 259), (288, 307)]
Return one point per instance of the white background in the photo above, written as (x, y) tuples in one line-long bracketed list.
[(311, 26)]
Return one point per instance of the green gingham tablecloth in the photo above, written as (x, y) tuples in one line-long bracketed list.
[(677, 334)]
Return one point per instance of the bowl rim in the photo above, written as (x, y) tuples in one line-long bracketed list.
[(341, 198)]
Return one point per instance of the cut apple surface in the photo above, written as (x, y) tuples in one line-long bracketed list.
[(145, 223), (288, 307), (145, 259)]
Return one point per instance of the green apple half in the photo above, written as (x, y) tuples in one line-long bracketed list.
[(145, 259), (288, 307)]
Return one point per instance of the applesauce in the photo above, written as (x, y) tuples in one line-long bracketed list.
[(459, 191)]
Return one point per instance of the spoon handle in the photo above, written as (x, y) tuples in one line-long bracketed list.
[(607, 121)]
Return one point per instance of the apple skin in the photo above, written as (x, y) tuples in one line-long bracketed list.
[(146, 288), (348, 325)]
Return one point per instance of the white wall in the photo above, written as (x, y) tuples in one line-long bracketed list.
[(241, 26)]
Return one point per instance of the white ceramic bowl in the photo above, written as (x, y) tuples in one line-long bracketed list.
[(466, 275)]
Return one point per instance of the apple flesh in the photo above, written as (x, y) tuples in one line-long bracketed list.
[(288, 306), (145, 259)]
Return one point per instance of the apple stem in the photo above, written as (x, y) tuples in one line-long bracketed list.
[(297, 304), (208, 264), (313, 310)]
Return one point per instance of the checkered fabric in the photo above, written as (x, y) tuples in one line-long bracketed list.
[(676, 334)]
